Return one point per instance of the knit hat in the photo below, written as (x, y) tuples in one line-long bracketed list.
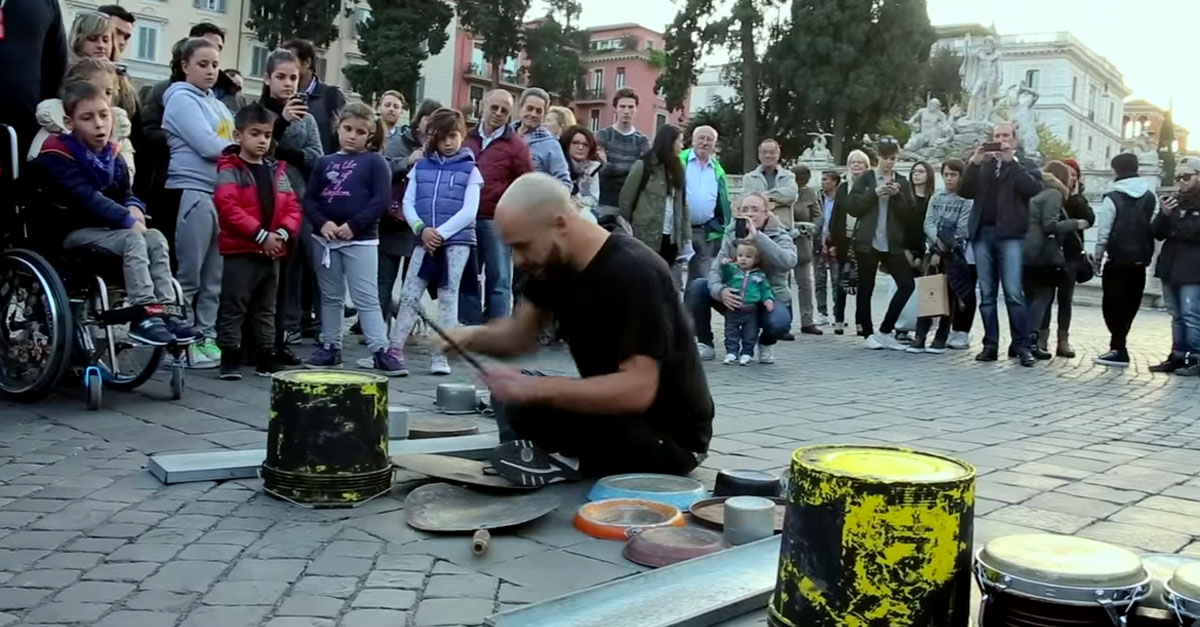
[(1188, 165)]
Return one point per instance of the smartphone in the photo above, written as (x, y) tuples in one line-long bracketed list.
[(303, 98), (991, 147), (741, 228)]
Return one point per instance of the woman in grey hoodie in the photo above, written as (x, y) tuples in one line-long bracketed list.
[(198, 128)]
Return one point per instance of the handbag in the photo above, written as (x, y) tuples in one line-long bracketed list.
[(1084, 267)]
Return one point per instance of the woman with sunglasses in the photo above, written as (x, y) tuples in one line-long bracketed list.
[(1177, 225)]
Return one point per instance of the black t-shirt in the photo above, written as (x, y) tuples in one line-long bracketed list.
[(624, 304), (264, 180)]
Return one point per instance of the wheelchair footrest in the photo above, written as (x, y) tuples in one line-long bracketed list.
[(137, 313)]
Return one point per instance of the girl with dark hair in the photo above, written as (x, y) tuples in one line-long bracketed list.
[(924, 184), (440, 204), (579, 145), (653, 197)]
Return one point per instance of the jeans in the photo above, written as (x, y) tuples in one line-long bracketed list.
[(741, 331), (1183, 303), (1123, 286), (999, 262), (902, 273), (455, 258), (146, 267), (1039, 288), (356, 267), (828, 273), (475, 305), (1065, 295), (773, 324)]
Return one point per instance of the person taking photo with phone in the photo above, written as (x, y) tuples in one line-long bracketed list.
[(1001, 186), (1177, 226)]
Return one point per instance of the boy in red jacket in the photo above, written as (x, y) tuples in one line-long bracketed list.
[(258, 212)]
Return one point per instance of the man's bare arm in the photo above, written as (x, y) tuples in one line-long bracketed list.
[(507, 336), (630, 390)]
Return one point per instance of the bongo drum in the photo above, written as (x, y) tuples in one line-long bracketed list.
[(1046, 580), (1182, 594)]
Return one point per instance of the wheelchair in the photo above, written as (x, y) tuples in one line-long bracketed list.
[(57, 314)]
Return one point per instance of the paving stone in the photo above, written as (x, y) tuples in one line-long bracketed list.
[(1002, 492), (340, 566), (95, 545), (457, 586), (268, 570), (338, 587), (342, 548), (1156, 519), (1093, 491), (396, 579), (215, 552), (1174, 505), (184, 576), (245, 593), (170, 536), (417, 563), (245, 524), (453, 611), (1139, 536), (80, 561), (20, 559), (1074, 505), (160, 600), (299, 621), (1137, 478), (53, 578), (67, 612), (226, 616), (45, 506), (118, 530), (126, 618), (327, 607), (518, 594), (557, 570), (373, 618), (1036, 482), (47, 540), (188, 521), (122, 571), (7, 619), (1056, 522), (95, 592), (385, 598), (1189, 492), (139, 552), (17, 520), (20, 598), (238, 538), (137, 517)]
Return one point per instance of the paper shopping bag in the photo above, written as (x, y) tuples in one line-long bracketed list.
[(933, 298)]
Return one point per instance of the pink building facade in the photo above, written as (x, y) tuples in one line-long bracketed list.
[(622, 55)]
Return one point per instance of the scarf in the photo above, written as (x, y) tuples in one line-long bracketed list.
[(100, 167)]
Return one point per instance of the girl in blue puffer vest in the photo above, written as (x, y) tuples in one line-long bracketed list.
[(440, 203)]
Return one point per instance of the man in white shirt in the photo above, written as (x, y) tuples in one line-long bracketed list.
[(703, 187)]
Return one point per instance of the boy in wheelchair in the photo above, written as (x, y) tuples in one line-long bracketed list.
[(90, 182)]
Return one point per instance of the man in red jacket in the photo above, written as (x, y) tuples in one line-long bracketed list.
[(502, 157), (258, 213)]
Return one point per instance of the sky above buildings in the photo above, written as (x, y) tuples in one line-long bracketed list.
[(1154, 43)]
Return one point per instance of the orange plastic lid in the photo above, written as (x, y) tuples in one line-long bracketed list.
[(613, 519)]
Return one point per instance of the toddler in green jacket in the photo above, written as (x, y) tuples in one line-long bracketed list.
[(743, 276)]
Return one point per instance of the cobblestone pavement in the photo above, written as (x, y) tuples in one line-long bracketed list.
[(88, 537)]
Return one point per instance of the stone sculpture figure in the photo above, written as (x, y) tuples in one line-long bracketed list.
[(929, 127), (819, 151), (980, 72), (1022, 113)]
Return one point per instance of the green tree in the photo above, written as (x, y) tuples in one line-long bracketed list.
[(726, 117), (554, 51), (1052, 147), (694, 33), (276, 21), (397, 40), (847, 64), (499, 22), (941, 79), (1166, 150)]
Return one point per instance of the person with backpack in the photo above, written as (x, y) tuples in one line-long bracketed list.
[(653, 197)]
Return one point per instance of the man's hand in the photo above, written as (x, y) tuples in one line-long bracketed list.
[(1169, 205), (751, 228), (512, 387), (329, 230), (463, 338), (601, 154), (731, 299), (137, 214), (978, 156), (431, 239), (273, 246), (139, 228), (344, 232)]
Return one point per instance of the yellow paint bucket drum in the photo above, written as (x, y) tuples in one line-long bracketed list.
[(1047, 580), (875, 536), (327, 438)]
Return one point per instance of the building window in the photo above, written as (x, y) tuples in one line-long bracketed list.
[(420, 89), (1070, 132), (476, 103), (660, 121), (594, 120), (258, 60), (145, 42), (620, 77), (508, 70), (1031, 78), (210, 5), (478, 60), (362, 17), (1108, 153), (605, 44), (1112, 112), (1089, 143), (1074, 89), (649, 44), (597, 79)]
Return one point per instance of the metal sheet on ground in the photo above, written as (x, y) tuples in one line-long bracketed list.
[(222, 465), (425, 427), (443, 507), (697, 593), (456, 470)]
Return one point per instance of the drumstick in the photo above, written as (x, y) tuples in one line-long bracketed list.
[(437, 329), (479, 542)]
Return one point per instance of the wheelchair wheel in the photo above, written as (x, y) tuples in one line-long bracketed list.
[(94, 386), (35, 326), (124, 364)]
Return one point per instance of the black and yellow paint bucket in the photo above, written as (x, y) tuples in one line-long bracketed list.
[(327, 438), (875, 537)]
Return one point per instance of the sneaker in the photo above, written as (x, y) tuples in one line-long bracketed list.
[(889, 341), (152, 331), (291, 337), (959, 341), (231, 365), (1189, 368), (524, 464), (872, 343), (439, 365), (197, 360), (937, 347), (390, 362), (284, 356), (812, 329), (210, 350), (821, 320), (178, 327), (707, 353), (766, 354), (268, 364), (730, 359), (745, 360), (904, 337), (327, 356), (1169, 365), (917, 346), (1117, 358)]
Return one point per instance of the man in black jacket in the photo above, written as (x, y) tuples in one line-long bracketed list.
[(1000, 186), (1178, 226), (33, 53), (325, 101)]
